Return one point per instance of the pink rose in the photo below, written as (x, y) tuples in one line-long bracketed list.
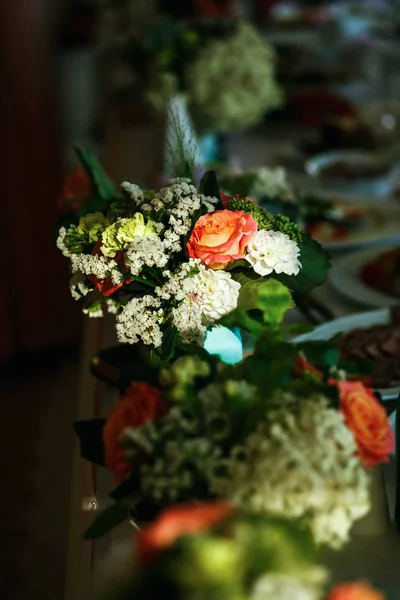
[(219, 238)]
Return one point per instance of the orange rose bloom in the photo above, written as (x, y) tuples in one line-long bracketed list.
[(221, 237), (106, 286), (355, 591), (367, 419), (179, 521), (303, 366), (141, 402), (76, 189)]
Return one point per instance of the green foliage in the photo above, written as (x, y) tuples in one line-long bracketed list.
[(266, 220), (103, 188), (315, 262), (240, 184), (109, 518), (90, 434), (209, 187), (268, 295)]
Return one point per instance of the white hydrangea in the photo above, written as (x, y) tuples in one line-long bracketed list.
[(270, 251), (61, 242), (145, 251), (140, 320), (78, 285), (300, 462), (276, 586), (100, 266)]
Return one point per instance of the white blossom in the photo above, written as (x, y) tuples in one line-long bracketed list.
[(276, 586), (270, 251), (140, 320), (78, 285), (300, 462), (96, 313), (100, 266), (61, 242), (145, 251), (271, 183), (215, 293), (134, 192), (113, 306)]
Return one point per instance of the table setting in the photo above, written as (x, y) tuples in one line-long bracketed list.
[(242, 338)]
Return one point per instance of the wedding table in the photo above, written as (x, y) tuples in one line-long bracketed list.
[(374, 556)]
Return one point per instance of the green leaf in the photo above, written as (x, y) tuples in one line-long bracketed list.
[(242, 319), (90, 434), (250, 285), (104, 188), (209, 187), (274, 300), (170, 338), (315, 263), (109, 518), (266, 294), (324, 354)]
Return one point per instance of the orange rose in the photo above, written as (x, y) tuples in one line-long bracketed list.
[(179, 521), (221, 237), (106, 286), (355, 591), (76, 189), (367, 419), (141, 402)]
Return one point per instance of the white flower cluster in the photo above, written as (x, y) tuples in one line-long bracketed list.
[(61, 243), (78, 286), (145, 251), (140, 320), (173, 472), (300, 462), (271, 183), (99, 266), (270, 251), (284, 587)]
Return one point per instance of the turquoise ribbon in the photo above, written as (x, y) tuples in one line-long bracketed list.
[(225, 343)]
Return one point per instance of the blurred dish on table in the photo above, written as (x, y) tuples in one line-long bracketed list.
[(348, 275), (338, 224), (355, 171), (368, 336)]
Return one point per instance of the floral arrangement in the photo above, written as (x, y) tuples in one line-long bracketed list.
[(272, 434), (171, 263), (212, 550), (262, 184), (170, 57)]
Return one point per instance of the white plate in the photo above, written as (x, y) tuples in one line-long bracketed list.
[(362, 320), (346, 279), (379, 225)]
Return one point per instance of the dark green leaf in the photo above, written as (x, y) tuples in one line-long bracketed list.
[(90, 434), (320, 354), (209, 187), (242, 319), (109, 518), (103, 186), (315, 263), (170, 338)]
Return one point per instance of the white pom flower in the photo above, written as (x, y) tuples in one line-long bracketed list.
[(216, 293), (272, 251)]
